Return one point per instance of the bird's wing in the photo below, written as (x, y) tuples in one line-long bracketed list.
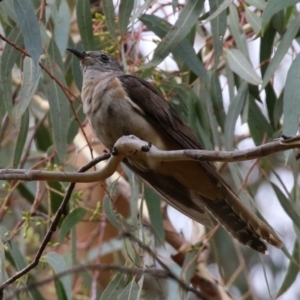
[(225, 204), (163, 116)]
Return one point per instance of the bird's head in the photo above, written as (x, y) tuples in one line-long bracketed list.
[(96, 60)]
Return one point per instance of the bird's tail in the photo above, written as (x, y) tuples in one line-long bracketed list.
[(241, 223)]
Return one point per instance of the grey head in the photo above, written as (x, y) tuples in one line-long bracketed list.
[(97, 61)]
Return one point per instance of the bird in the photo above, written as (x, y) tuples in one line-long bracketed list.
[(117, 104)]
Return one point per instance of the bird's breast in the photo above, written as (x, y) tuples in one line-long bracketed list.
[(112, 114)]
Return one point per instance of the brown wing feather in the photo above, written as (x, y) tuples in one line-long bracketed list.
[(228, 209)]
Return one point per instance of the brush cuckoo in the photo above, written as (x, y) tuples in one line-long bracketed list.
[(117, 104)]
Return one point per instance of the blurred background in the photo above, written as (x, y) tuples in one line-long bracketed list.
[(231, 70)]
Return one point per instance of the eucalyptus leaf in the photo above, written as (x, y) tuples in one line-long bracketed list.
[(274, 6), (125, 10), (183, 51), (282, 49), (241, 66), (109, 12), (29, 27), (291, 108), (58, 264), (185, 22)]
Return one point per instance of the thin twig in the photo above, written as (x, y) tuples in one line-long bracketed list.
[(61, 210)]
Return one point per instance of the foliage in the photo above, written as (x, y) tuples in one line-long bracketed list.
[(243, 72)]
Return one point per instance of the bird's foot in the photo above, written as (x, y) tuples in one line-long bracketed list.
[(114, 151), (146, 148)]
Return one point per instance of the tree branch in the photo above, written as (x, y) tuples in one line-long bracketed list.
[(61, 210), (129, 145)]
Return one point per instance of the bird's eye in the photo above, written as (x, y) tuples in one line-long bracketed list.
[(104, 58)]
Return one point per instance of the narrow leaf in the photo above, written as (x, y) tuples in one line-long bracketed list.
[(258, 124), (235, 108), (115, 287), (183, 51), (109, 13), (31, 74), (274, 6), (3, 274), (292, 271), (287, 205), (291, 108), (218, 26), (155, 214), (260, 4), (125, 9), (130, 292), (185, 22), (70, 221), (241, 66), (55, 197), (84, 21), (282, 49), (8, 58), (58, 265), (110, 212), (62, 21), (254, 20), (236, 30), (59, 108), (21, 138), (29, 27), (220, 6)]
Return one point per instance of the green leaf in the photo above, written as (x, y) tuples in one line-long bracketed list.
[(84, 22), (19, 259), (190, 264), (282, 49), (21, 138), (29, 27), (217, 100), (130, 292), (125, 9), (59, 108), (216, 8), (59, 265), (55, 198), (258, 124), (254, 20), (260, 4), (31, 75), (43, 138), (185, 22), (291, 109), (274, 6), (115, 287), (70, 221), (8, 58), (287, 205), (55, 55), (292, 271), (218, 26), (183, 50), (155, 214), (241, 66), (235, 108), (110, 213), (236, 30), (3, 274), (109, 13), (62, 21)]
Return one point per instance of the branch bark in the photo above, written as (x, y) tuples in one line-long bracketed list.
[(128, 145)]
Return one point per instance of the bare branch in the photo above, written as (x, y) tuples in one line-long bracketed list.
[(129, 145)]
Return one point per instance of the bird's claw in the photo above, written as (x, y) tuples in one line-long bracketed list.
[(114, 151), (146, 148)]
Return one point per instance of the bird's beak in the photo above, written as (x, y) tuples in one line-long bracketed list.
[(79, 54)]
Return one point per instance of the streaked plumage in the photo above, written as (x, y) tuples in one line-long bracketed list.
[(117, 104)]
